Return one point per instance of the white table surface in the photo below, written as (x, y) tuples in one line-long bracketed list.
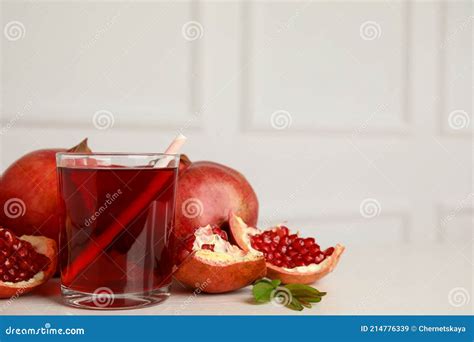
[(384, 280)]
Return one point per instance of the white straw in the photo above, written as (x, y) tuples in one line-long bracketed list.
[(176, 144), (173, 148)]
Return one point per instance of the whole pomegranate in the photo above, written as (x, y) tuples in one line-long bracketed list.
[(29, 193), (207, 193)]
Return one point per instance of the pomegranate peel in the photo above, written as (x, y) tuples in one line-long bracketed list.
[(289, 258), (212, 264), (27, 262)]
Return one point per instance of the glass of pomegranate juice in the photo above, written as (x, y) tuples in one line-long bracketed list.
[(117, 218)]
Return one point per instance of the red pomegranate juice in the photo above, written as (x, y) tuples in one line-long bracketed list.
[(117, 229)]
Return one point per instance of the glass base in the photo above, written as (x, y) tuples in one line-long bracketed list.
[(104, 299)]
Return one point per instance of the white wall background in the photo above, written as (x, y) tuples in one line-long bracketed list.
[(367, 90)]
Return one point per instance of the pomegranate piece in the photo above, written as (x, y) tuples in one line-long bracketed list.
[(294, 250), (25, 262), (290, 258), (206, 260)]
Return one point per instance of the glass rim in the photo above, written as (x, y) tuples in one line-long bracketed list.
[(123, 160), (116, 154)]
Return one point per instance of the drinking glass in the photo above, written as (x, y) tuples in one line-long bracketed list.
[(117, 217)]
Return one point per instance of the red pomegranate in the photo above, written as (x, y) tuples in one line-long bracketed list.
[(207, 193), (28, 193)]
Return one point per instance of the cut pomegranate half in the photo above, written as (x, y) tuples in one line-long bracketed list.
[(290, 258), (210, 263), (25, 262)]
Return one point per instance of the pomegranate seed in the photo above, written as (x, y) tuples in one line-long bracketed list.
[(278, 255), (277, 262), (285, 240), (319, 258), (208, 247), (282, 249), (220, 232), (292, 254), (270, 257), (298, 245), (284, 230), (314, 249), (309, 242), (329, 251), (267, 240), (292, 238), (22, 252), (299, 263), (308, 259), (276, 239)]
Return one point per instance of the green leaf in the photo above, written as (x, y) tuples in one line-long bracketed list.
[(300, 290), (295, 305), (310, 299), (305, 304), (302, 295), (262, 291), (276, 283)]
